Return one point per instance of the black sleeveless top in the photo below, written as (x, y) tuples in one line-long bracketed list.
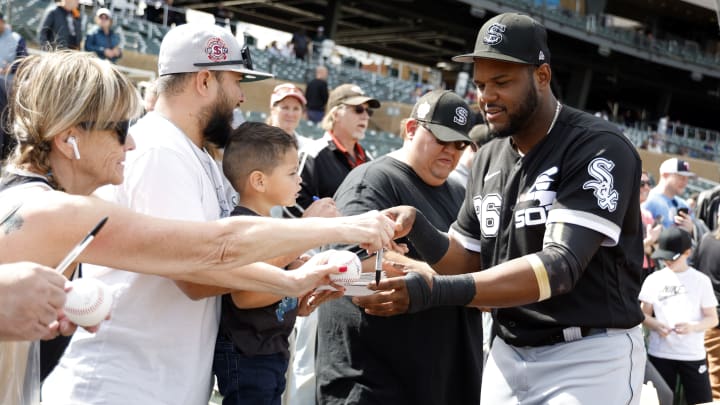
[(50, 350)]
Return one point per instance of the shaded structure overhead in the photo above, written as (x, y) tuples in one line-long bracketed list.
[(430, 31), (424, 32)]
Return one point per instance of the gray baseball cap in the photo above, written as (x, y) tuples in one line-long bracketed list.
[(194, 47), (511, 37), (445, 114)]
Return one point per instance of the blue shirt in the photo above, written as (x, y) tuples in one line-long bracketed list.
[(660, 205), (97, 41)]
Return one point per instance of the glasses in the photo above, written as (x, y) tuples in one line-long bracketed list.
[(103, 17), (644, 183), (245, 60), (120, 128), (459, 145), (361, 109)]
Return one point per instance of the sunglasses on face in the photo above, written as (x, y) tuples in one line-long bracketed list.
[(459, 145), (120, 128), (361, 109), (644, 183)]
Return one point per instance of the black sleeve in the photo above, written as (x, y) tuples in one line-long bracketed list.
[(46, 36), (324, 94)]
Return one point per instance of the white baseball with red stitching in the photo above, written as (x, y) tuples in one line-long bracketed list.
[(88, 302), (349, 259)]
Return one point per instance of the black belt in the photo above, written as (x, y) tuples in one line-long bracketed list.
[(562, 337)]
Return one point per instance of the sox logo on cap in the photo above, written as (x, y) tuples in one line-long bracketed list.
[(216, 49)]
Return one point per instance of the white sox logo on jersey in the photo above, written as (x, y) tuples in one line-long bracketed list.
[(541, 193), (599, 169), (494, 36)]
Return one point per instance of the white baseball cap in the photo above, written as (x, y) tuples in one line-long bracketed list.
[(195, 46), (676, 166)]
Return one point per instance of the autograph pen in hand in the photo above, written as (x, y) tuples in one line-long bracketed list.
[(378, 266), (80, 246)]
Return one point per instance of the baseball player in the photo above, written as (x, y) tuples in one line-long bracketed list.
[(552, 217)]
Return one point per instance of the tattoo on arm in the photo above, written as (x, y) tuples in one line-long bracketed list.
[(12, 223)]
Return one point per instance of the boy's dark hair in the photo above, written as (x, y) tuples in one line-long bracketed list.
[(254, 146)]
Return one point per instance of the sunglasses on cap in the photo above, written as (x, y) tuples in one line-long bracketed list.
[(246, 60), (120, 128), (459, 145), (359, 109)]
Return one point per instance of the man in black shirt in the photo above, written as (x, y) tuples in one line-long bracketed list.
[(317, 95), (431, 357), (60, 27), (325, 162), (552, 217)]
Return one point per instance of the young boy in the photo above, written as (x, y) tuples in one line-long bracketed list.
[(251, 352), (683, 303)]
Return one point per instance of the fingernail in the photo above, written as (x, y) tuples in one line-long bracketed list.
[(342, 269)]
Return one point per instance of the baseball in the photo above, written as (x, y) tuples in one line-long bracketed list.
[(88, 302), (349, 259)]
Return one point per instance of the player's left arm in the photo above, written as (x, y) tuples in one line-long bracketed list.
[(536, 277)]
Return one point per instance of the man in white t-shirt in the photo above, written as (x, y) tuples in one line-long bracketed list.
[(158, 346), (679, 306)]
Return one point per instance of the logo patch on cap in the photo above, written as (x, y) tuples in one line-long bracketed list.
[(216, 49), (423, 110), (461, 114), (494, 34), (541, 56)]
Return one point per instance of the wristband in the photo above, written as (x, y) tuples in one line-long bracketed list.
[(429, 242), (456, 290)]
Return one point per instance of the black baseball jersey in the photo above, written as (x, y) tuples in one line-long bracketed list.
[(585, 173)]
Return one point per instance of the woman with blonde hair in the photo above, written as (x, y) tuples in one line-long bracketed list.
[(70, 113)]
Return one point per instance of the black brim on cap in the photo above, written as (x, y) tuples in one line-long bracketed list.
[(446, 134), (470, 57), (665, 254)]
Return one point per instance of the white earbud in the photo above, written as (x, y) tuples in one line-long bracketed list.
[(72, 141)]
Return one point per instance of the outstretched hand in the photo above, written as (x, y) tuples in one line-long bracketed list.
[(392, 296), (314, 273), (309, 302), (403, 216), (372, 230)]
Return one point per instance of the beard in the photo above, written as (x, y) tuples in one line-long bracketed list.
[(218, 127), (520, 118)]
